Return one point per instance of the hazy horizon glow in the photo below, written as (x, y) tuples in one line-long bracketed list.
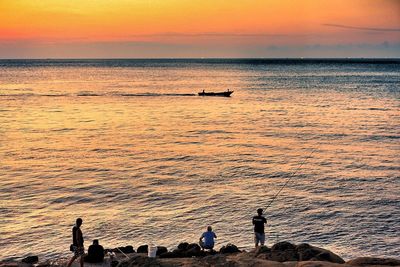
[(177, 28)]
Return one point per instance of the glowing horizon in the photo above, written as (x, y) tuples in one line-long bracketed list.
[(177, 28)]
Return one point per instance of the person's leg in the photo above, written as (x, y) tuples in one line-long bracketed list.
[(262, 239), (201, 243), (82, 261), (256, 239), (71, 261)]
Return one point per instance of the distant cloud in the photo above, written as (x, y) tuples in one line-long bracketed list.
[(215, 34), (362, 28)]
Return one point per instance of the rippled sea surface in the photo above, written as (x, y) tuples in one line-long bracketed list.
[(129, 146)]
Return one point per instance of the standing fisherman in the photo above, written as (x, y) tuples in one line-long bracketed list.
[(258, 222), (77, 243)]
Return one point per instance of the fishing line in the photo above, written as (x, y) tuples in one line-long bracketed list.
[(290, 178)]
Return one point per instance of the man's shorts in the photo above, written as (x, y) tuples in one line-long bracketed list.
[(203, 246), (259, 237), (78, 251)]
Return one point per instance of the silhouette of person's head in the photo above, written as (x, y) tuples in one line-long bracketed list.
[(95, 242), (79, 222), (209, 228), (260, 211)]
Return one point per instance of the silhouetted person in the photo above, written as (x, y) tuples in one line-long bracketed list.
[(258, 222), (207, 239), (77, 243), (95, 252)]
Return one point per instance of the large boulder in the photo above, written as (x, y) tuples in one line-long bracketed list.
[(307, 252), (283, 246), (366, 261), (143, 249), (183, 246), (161, 250), (285, 251), (281, 252), (229, 248), (262, 250), (193, 250), (193, 246)]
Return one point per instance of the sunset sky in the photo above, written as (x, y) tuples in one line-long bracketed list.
[(206, 28)]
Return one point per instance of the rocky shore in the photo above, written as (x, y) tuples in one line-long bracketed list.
[(282, 254)]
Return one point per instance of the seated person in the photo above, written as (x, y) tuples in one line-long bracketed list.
[(95, 252), (207, 239)]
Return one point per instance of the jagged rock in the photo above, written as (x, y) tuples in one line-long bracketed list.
[(143, 249), (307, 252), (170, 254), (194, 251), (229, 248), (281, 252), (303, 246), (183, 246), (282, 246), (191, 253), (140, 260), (30, 259), (365, 261), (282, 256), (215, 260), (161, 250), (193, 246), (262, 249)]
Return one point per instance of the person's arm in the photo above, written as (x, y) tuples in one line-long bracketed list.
[(215, 236), (201, 237), (253, 220)]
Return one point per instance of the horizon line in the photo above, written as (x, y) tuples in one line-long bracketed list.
[(186, 58)]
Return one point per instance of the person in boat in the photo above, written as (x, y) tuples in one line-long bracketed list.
[(203, 91), (259, 221), (95, 252), (207, 239), (77, 243)]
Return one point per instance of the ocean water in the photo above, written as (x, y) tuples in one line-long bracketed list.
[(128, 146)]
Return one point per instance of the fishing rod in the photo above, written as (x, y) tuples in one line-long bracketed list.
[(290, 178)]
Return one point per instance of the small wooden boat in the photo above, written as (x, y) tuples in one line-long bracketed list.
[(226, 93)]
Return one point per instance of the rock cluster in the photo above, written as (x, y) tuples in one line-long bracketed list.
[(285, 251), (282, 254)]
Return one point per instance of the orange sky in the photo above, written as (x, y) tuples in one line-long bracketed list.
[(206, 22)]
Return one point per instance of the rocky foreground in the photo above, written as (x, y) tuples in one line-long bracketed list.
[(282, 254)]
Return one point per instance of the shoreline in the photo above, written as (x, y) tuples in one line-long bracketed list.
[(281, 254)]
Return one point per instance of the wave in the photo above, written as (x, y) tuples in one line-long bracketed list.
[(153, 94), (33, 95), (90, 94)]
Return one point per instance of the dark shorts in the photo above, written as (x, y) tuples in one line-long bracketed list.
[(259, 237), (78, 251), (203, 246)]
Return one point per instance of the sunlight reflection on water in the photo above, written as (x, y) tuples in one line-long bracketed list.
[(162, 167)]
